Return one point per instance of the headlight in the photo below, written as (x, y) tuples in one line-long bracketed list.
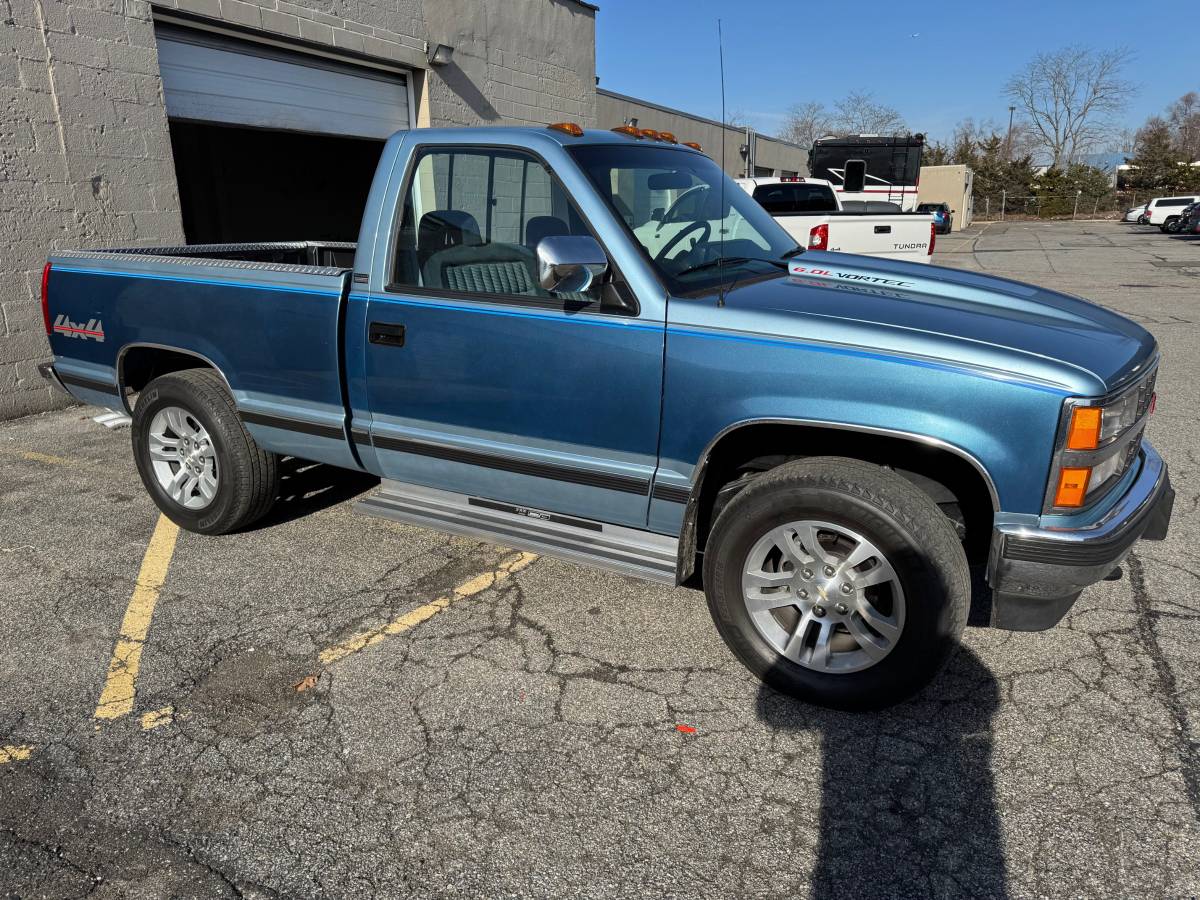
[(1098, 441)]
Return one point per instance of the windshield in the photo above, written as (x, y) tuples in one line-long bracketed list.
[(670, 200)]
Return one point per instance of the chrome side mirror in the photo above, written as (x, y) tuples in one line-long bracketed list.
[(569, 264)]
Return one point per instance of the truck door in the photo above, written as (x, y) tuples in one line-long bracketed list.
[(482, 383)]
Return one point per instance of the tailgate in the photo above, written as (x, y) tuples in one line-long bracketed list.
[(897, 236)]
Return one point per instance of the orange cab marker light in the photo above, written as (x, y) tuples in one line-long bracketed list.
[(568, 128), (1084, 432), (650, 133), (629, 130), (668, 137), (1072, 487), (693, 145)]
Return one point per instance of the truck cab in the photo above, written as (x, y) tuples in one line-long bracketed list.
[(825, 444)]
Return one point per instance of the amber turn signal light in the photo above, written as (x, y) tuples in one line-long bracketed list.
[(1072, 487), (1084, 432), (568, 128)]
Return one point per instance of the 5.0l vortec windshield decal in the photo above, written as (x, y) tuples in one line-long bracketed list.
[(798, 269)]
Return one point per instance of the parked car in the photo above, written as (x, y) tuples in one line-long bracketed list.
[(1135, 214), (1161, 209), (1176, 224), (813, 213), (1188, 220), (942, 215), (823, 442)]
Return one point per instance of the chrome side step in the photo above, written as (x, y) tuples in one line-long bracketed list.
[(627, 551)]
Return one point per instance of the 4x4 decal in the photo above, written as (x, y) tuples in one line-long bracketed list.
[(93, 329)]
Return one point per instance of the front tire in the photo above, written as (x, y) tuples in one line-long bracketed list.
[(196, 459), (837, 582)]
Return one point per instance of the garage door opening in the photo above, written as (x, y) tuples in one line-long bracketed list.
[(273, 144), (248, 184)]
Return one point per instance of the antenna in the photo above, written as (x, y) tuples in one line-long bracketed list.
[(724, 136)]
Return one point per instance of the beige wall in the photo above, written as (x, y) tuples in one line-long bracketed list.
[(614, 109), (949, 184)]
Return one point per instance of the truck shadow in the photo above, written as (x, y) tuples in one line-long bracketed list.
[(908, 804), (308, 487)]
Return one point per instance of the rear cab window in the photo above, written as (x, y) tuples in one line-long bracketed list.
[(794, 198)]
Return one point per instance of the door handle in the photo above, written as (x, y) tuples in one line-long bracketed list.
[(386, 333), (883, 229)]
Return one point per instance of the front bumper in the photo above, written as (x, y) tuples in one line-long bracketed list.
[(1037, 574)]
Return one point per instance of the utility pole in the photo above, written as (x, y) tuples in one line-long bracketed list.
[(1008, 139)]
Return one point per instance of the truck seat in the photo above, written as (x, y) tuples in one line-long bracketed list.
[(445, 228), (482, 268), (539, 227)]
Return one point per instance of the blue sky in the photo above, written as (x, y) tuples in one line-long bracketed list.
[(779, 52)]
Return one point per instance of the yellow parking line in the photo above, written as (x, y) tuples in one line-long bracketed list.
[(34, 456), (414, 618), (155, 718), (14, 752), (116, 699)]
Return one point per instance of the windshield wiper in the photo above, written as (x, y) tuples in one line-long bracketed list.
[(722, 261), (795, 251)]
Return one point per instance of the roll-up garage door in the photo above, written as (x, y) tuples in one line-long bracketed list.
[(211, 78)]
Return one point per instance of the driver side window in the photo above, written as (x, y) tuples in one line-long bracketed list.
[(472, 220)]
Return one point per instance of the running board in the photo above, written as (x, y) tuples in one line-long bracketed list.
[(627, 551)]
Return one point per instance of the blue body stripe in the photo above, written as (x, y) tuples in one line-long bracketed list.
[(820, 347), (582, 318), (262, 286)]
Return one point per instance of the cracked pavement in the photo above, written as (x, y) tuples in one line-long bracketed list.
[(522, 740)]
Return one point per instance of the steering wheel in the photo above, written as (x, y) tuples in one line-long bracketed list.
[(687, 229)]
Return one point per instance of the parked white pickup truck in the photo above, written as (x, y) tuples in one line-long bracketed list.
[(810, 211)]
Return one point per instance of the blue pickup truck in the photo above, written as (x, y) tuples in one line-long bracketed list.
[(826, 444)]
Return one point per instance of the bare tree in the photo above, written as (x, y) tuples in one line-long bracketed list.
[(1068, 96), (737, 118), (1184, 117), (806, 122), (860, 113)]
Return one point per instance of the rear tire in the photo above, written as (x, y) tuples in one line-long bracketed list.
[(801, 629), (196, 459)]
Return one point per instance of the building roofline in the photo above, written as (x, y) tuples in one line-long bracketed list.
[(687, 115)]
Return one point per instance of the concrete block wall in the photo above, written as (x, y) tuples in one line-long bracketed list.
[(85, 154), (85, 159)]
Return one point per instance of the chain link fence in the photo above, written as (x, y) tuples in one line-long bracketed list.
[(1056, 205)]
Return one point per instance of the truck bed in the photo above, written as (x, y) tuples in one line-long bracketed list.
[(266, 316)]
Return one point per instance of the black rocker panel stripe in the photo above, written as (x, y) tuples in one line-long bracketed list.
[(325, 431), (90, 383), (625, 483), (672, 493)]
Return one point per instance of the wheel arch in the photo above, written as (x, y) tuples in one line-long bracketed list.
[(139, 363), (769, 442)]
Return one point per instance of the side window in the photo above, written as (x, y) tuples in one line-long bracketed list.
[(471, 221)]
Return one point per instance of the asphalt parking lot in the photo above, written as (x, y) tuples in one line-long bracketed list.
[(337, 706)]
